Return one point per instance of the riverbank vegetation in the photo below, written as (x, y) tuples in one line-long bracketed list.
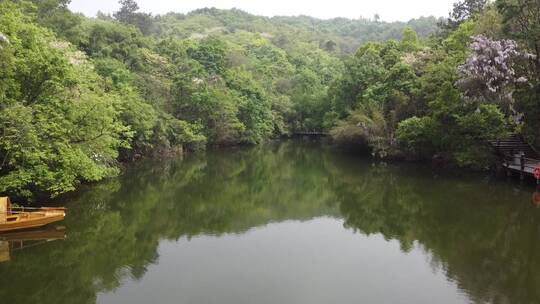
[(79, 95), (447, 95)]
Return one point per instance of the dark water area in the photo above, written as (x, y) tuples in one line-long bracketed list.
[(290, 222)]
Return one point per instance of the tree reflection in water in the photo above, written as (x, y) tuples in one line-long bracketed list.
[(482, 233)]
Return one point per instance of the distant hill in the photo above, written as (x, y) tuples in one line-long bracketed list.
[(338, 35)]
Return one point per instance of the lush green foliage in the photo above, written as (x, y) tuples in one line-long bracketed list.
[(338, 35), (69, 115), (60, 125), (80, 94), (448, 95)]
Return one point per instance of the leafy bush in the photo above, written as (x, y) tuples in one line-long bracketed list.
[(417, 135)]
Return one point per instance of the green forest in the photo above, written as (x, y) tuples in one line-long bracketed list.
[(80, 96)]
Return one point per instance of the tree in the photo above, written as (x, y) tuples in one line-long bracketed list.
[(330, 46), (60, 127), (417, 135), (55, 15), (489, 74), (211, 53), (464, 11), (127, 12), (521, 20), (105, 39), (410, 42), (362, 70)]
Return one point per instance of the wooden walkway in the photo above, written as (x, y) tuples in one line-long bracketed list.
[(516, 156), (311, 133), (526, 165)]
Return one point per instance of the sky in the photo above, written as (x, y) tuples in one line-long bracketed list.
[(388, 10)]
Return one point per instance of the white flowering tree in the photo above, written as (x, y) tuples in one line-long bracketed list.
[(3, 40)]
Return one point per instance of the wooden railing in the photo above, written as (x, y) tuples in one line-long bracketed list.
[(310, 133), (523, 165)]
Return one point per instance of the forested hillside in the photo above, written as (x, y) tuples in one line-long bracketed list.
[(79, 95), (338, 36)]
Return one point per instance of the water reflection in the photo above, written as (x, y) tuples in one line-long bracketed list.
[(482, 235), (15, 241)]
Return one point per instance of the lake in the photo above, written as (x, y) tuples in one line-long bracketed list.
[(290, 222)]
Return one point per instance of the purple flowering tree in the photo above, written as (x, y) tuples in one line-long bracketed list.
[(489, 75)]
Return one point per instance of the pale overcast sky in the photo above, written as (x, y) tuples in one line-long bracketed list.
[(389, 10)]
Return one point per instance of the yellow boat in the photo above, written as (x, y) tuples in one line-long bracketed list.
[(15, 218)]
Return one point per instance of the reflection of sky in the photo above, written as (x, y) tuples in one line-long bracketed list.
[(317, 261)]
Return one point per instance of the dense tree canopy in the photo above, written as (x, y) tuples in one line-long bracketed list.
[(80, 94), (445, 96)]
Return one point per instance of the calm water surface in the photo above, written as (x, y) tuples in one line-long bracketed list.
[(285, 223)]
